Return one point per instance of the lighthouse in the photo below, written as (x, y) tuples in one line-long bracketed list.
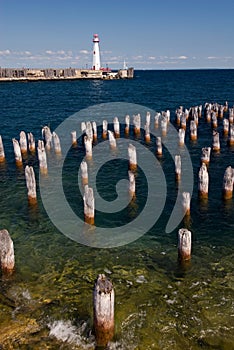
[(96, 53)]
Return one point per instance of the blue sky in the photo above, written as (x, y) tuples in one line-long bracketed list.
[(149, 34)]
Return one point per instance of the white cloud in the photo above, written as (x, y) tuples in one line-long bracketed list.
[(182, 57), (5, 52), (152, 58), (85, 52), (49, 52)]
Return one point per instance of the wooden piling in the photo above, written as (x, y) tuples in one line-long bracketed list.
[(132, 156), (31, 184), (181, 135), (83, 127), (178, 167), (132, 183), (231, 135), (147, 118), (94, 126), (147, 133), (164, 125), (228, 181), (184, 244), (56, 143), (104, 129), (193, 130), (17, 152), (231, 115), (7, 256), (159, 150), (84, 172), (89, 209), (103, 308), (73, 137), (89, 130), (156, 119), (216, 143), (225, 126), (203, 181), (116, 127), (127, 124), (205, 156), (31, 142), (112, 140), (186, 198), (183, 121), (88, 147), (42, 157), (47, 136), (214, 120), (2, 153), (23, 142), (137, 124)]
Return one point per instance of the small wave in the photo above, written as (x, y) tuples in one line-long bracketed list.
[(65, 331)]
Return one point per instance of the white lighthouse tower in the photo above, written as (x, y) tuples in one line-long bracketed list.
[(96, 53)]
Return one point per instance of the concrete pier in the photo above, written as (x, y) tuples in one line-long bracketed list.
[(28, 74)]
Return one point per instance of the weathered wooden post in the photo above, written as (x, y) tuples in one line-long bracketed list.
[(56, 143), (225, 126), (183, 121), (205, 156), (181, 135), (2, 153), (159, 150), (203, 181), (156, 119), (132, 183), (178, 167), (147, 133), (186, 198), (112, 139), (89, 130), (231, 115), (127, 124), (164, 125), (103, 309), (231, 135), (88, 205), (31, 184), (184, 244), (73, 138), (42, 157), (137, 124), (84, 172), (147, 118), (17, 151), (83, 127), (23, 142), (116, 127), (193, 130), (178, 114), (221, 111), (88, 147), (94, 126), (132, 156), (228, 181), (47, 136), (200, 111), (104, 129), (208, 116), (216, 143), (214, 120), (7, 256), (31, 142)]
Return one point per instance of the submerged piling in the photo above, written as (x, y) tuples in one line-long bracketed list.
[(104, 129), (89, 209), (228, 181), (181, 135), (2, 153), (132, 183), (205, 156), (193, 130), (31, 184), (31, 142), (84, 172), (7, 256), (186, 198), (73, 137), (112, 139), (147, 132), (56, 143), (47, 136), (116, 127), (184, 244), (137, 124), (178, 167), (88, 147), (132, 156), (94, 126), (17, 152), (42, 157), (127, 124), (103, 309), (216, 143), (23, 142), (203, 181), (231, 135)]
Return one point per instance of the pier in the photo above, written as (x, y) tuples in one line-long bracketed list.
[(29, 74)]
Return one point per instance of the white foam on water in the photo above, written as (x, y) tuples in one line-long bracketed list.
[(65, 331)]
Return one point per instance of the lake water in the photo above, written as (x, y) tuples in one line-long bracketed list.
[(47, 302)]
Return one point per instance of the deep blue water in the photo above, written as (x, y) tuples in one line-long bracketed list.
[(54, 275)]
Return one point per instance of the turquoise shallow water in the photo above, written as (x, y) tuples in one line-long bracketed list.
[(47, 302)]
